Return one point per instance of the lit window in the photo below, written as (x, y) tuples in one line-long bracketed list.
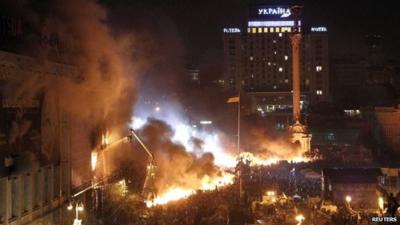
[(277, 29), (331, 136), (271, 29), (274, 87), (319, 92), (286, 57), (252, 75), (253, 30), (248, 30), (265, 30), (274, 52), (280, 35), (286, 80), (260, 30), (251, 58), (280, 69), (318, 68), (269, 63), (274, 41)]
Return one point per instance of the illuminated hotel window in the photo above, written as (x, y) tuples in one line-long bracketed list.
[(277, 29), (248, 30), (251, 58), (265, 30), (260, 30), (253, 30), (274, 41), (286, 57), (274, 52), (280, 34), (269, 63), (271, 29), (280, 69), (319, 92), (318, 68), (286, 80)]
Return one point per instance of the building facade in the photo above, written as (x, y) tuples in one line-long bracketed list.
[(360, 186), (258, 59), (38, 169)]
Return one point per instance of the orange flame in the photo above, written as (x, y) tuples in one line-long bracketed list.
[(260, 161), (177, 193)]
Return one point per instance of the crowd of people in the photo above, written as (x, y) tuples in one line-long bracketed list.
[(224, 206)]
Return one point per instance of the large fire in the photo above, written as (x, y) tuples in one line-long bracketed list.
[(213, 142), (177, 193), (260, 161)]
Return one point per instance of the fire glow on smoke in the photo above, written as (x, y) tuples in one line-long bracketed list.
[(183, 134), (223, 150)]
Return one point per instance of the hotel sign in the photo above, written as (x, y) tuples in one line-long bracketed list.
[(319, 29), (270, 13), (231, 30), (276, 11)]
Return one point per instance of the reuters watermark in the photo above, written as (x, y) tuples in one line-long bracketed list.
[(384, 219)]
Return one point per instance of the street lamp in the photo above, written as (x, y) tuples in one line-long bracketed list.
[(300, 218), (78, 208), (348, 199)]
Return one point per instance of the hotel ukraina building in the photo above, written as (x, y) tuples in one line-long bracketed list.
[(258, 61)]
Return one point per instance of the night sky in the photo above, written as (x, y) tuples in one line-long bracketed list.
[(198, 24)]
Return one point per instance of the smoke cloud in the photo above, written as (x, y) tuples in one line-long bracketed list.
[(176, 167), (82, 74)]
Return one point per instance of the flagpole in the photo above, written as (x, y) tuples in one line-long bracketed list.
[(238, 149)]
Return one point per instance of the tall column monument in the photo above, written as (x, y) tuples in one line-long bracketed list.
[(299, 132)]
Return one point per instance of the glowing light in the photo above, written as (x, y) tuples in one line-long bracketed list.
[(70, 207), (271, 193), (231, 30), (105, 140), (289, 23), (157, 109), (77, 222), (319, 29), (283, 12), (179, 193), (300, 218), (122, 187), (348, 198), (80, 207), (258, 161), (173, 194), (93, 160), (381, 203), (205, 122), (137, 123)]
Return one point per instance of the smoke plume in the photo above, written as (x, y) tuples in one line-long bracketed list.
[(80, 72), (176, 167)]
